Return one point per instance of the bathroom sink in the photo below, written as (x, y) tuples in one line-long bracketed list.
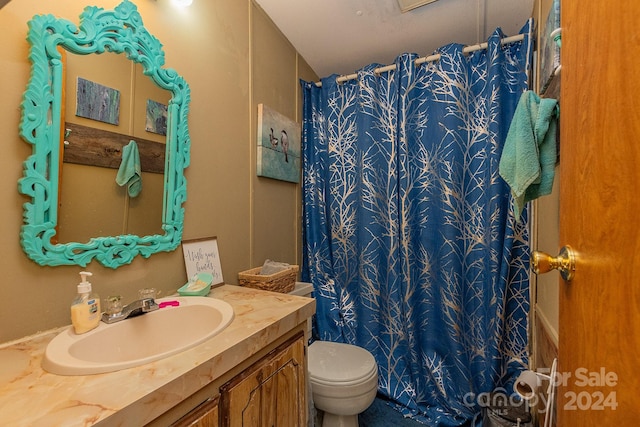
[(138, 340)]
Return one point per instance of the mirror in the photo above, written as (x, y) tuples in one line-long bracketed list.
[(118, 31), (93, 148)]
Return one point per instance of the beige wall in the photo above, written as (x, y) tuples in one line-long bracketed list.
[(233, 58)]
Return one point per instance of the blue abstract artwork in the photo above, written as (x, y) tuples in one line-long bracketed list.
[(97, 102), (156, 121)]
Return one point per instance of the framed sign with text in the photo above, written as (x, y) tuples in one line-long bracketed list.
[(201, 255)]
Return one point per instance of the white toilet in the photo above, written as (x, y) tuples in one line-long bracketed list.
[(344, 381), (343, 377)]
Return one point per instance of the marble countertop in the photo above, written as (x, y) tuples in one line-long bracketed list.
[(30, 396)]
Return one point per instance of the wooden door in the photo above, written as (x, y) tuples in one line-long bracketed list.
[(271, 393), (599, 330)]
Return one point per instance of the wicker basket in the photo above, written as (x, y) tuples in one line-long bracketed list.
[(283, 281)]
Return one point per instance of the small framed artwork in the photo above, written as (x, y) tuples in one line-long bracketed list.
[(156, 120), (97, 102), (550, 48), (278, 155), (201, 256)]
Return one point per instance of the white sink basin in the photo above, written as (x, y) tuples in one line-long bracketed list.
[(138, 340)]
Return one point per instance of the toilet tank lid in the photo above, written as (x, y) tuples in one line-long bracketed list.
[(339, 362), (302, 289)]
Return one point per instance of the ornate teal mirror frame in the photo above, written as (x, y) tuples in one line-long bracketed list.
[(119, 31)]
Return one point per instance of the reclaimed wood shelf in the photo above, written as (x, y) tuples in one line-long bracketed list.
[(94, 147)]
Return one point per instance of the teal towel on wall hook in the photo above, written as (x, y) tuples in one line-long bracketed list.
[(130, 172)]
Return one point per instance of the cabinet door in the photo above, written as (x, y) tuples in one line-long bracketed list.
[(270, 393), (205, 415)]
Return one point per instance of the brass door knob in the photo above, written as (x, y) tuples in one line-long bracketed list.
[(565, 263)]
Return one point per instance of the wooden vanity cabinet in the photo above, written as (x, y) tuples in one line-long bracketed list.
[(205, 415), (267, 390), (272, 392)]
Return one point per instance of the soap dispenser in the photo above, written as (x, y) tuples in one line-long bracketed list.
[(85, 308)]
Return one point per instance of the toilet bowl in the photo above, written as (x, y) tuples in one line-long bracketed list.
[(344, 381)]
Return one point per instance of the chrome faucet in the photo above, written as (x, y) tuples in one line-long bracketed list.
[(136, 308)]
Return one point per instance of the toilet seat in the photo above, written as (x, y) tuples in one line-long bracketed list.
[(340, 364), (373, 376)]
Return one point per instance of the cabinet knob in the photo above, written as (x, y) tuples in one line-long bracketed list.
[(565, 262)]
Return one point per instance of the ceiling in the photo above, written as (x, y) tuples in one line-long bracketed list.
[(342, 36)]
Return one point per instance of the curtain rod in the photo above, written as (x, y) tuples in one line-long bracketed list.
[(431, 58)]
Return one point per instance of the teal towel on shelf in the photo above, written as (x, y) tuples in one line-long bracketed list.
[(529, 155), (130, 173)]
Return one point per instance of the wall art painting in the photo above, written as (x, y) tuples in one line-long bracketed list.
[(156, 117), (279, 147), (97, 102), (550, 49)]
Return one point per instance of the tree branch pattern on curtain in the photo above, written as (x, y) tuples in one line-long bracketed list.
[(410, 239)]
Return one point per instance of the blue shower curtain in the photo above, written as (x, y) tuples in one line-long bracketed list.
[(409, 235)]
